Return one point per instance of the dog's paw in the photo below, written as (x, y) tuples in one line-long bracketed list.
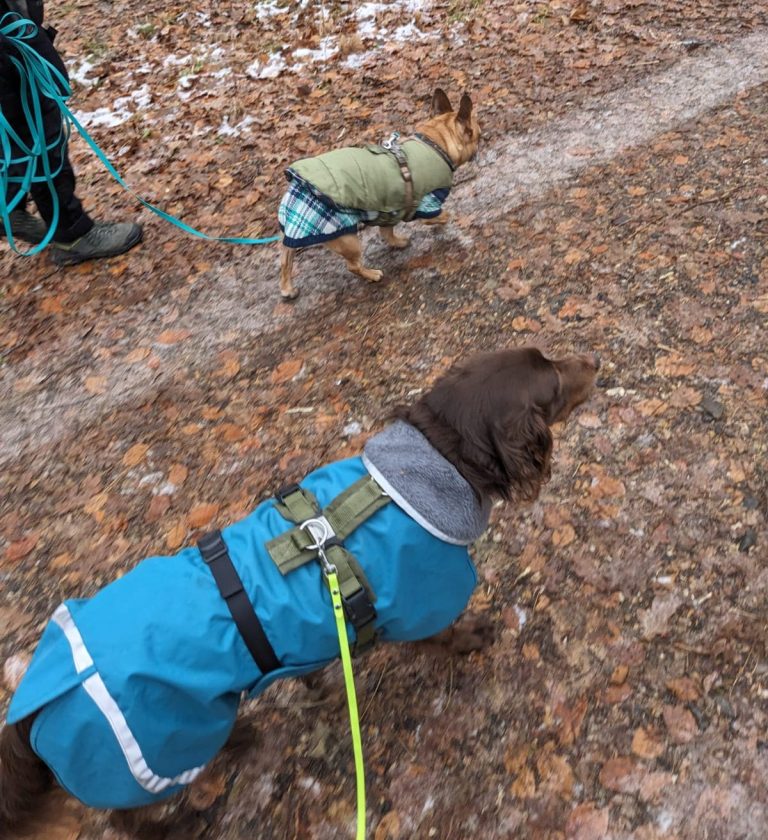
[(289, 297), (373, 275), (473, 632)]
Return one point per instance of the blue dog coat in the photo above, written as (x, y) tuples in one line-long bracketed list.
[(138, 687)]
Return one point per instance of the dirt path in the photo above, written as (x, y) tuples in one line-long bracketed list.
[(52, 394)]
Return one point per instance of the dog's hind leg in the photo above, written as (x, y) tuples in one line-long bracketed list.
[(351, 249), (391, 238), (24, 779), (287, 290)]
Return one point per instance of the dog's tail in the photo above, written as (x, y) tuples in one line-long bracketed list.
[(24, 779)]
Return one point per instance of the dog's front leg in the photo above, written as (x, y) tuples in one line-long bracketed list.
[(391, 238), (287, 290), (473, 631)]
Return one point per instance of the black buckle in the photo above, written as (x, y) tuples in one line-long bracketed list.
[(283, 493), (359, 609), (212, 547)]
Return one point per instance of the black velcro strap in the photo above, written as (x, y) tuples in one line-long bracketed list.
[(214, 551)]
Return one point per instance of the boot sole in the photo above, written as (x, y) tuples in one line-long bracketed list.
[(62, 258)]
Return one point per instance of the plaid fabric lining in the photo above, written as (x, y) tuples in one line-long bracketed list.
[(307, 217)]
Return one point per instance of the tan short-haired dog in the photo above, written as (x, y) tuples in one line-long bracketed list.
[(332, 196)]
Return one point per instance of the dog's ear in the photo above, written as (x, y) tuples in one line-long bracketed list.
[(440, 103), (524, 446), (465, 111)]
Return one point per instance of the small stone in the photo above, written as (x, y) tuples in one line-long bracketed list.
[(751, 503), (713, 407), (748, 540)]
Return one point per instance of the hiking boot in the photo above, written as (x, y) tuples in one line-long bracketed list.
[(104, 239), (26, 227)]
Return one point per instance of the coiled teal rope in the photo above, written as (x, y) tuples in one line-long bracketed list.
[(41, 80)]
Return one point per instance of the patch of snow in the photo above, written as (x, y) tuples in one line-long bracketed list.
[(409, 32), (185, 81), (352, 429), (326, 50), (227, 130), (103, 117), (271, 70), (173, 60), (166, 489), (355, 60), (521, 616), (270, 9), (81, 73)]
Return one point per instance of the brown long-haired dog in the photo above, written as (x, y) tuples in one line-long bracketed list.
[(481, 433)]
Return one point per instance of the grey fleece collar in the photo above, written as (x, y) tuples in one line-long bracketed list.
[(425, 485)]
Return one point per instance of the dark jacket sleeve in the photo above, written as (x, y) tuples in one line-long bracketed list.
[(30, 9)]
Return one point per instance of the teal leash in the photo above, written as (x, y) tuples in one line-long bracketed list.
[(41, 80)]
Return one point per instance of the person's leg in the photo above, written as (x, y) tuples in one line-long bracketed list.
[(73, 221), (77, 237)]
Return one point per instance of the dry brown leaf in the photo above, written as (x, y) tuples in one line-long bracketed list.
[(286, 370), (230, 364), (388, 827), (685, 397), (587, 822), (95, 384), (571, 720), (95, 504), (574, 256), (524, 786), (51, 305), (137, 355), (135, 455), (531, 652), (615, 694), (157, 509), (178, 474), (603, 487), (655, 620), (646, 745), (620, 775), (651, 407), (684, 688), (521, 324), (173, 336), (21, 548), (674, 365), (175, 536), (555, 773), (681, 724), (563, 536), (201, 515)]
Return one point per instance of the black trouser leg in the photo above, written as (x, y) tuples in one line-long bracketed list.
[(73, 221)]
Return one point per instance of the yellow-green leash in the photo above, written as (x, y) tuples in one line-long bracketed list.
[(349, 683)]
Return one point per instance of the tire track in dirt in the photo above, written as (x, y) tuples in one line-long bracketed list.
[(41, 407)]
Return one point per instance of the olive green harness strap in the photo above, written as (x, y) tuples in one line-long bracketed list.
[(327, 529)]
